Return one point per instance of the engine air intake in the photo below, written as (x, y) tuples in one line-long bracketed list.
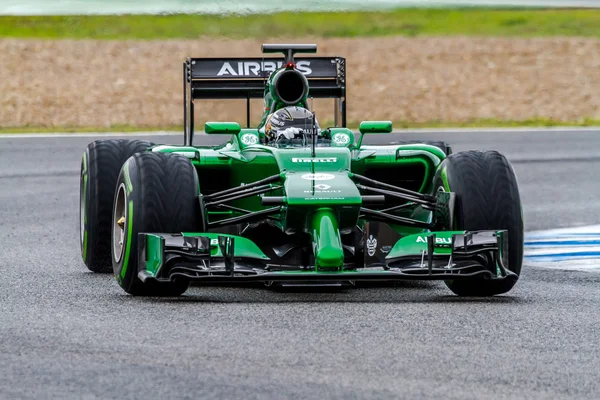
[(290, 87)]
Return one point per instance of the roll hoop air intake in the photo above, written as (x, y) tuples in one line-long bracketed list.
[(289, 86)]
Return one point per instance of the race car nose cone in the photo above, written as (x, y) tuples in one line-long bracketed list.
[(329, 253)]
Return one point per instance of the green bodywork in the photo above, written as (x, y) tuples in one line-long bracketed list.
[(319, 195)]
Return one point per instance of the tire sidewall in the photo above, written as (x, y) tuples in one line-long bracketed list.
[(84, 205), (126, 269)]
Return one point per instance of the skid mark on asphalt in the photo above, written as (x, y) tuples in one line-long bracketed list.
[(569, 248)]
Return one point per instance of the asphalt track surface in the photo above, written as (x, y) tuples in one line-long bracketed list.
[(68, 333)]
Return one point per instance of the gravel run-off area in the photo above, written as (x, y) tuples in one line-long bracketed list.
[(92, 83)]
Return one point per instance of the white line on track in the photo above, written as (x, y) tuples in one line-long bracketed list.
[(420, 130), (505, 130), (87, 134)]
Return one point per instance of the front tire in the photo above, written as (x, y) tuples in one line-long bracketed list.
[(156, 192), (487, 198), (100, 166)]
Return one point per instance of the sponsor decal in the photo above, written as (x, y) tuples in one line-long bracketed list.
[(303, 131), (322, 188), (304, 67), (314, 160), (249, 139), (318, 177), (324, 198), (285, 114), (214, 242), (340, 139), (438, 240), (371, 245), (253, 68)]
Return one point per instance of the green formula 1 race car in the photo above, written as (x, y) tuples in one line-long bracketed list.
[(291, 203)]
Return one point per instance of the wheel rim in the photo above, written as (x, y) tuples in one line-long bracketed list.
[(119, 222)]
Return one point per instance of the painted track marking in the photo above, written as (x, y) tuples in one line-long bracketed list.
[(569, 248)]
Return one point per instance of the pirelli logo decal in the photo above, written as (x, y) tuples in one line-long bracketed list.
[(314, 160)]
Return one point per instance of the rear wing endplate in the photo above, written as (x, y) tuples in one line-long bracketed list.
[(244, 78)]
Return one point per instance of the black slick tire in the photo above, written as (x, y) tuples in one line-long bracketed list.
[(100, 166), (487, 198), (160, 194)]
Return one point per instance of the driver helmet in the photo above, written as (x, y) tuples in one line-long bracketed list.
[(290, 123)]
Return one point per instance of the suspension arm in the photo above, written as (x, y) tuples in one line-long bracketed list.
[(430, 205), (384, 217), (373, 182), (258, 215), (242, 194), (268, 180)]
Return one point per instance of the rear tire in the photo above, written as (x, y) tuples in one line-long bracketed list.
[(487, 198), (156, 192), (100, 166)]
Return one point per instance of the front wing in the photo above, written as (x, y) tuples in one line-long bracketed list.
[(212, 257)]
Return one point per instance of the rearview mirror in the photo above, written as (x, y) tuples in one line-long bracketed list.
[(375, 127), (230, 128)]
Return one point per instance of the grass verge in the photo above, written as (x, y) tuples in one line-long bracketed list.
[(481, 123), (405, 22)]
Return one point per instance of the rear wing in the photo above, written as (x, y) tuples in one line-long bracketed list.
[(244, 78)]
